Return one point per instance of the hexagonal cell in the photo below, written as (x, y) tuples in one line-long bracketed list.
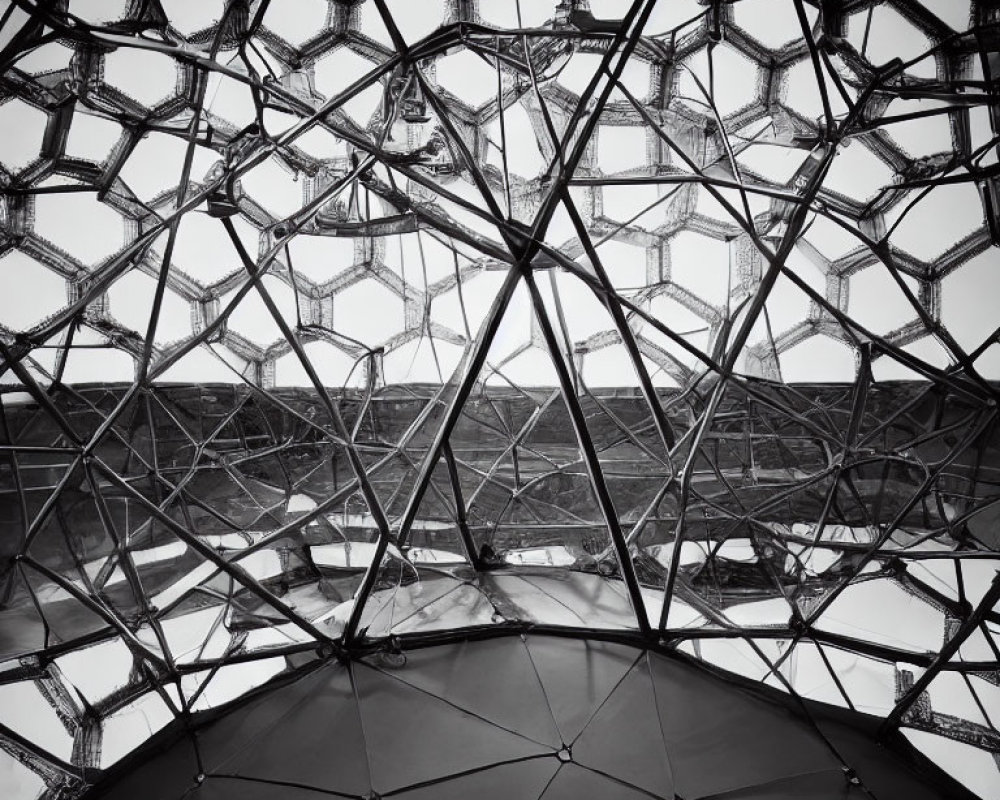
[(772, 22), (188, 17), (203, 249), (321, 258), (876, 301), (321, 144), (368, 312), (636, 79), (890, 35), (75, 222), (332, 365), (609, 366), (422, 360), (923, 136), (24, 128), (338, 70), (467, 191), (533, 367), (829, 238), (578, 72), (561, 230), (516, 324), (857, 172), (277, 122), (956, 13), (47, 58), (91, 360), (665, 17), (92, 137), (787, 303), (681, 321), (372, 25), (943, 216), (787, 306), (477, 294), (585, 315), (297, 21), (228, 365), (700, 265), (156, 164), (981, 130), (659, 375), (927, 349), (273, 186), (198, 366), (31, 292), (524, 157), (468, 76), (621, 147), (512, 14), (41, 364), (735, 86), (968, 300), (141, 74), (252, 320), (624, 263), (637, 204), (420, 259), (773, 162), (707, 205), (581, 68), (818, 359), (230, 99), (803, 95), (131, 303), (416, 20)]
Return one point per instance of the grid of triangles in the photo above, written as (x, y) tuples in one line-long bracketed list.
[(326, 323)]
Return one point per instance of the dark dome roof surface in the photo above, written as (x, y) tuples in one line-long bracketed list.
[(521, 716)]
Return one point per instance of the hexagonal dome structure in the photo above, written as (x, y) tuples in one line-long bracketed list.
[(424, 398)]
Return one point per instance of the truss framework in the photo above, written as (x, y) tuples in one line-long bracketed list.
[(661, 326)]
